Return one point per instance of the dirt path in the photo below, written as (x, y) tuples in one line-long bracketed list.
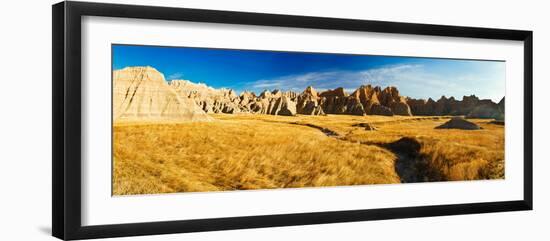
[(406, 149), (328, 132)]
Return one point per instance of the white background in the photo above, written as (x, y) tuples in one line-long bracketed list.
[(101, 208), (25, 126)]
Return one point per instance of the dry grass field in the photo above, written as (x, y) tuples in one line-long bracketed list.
[(240, 152)]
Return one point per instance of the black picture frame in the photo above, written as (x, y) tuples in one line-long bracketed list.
[(66, 76)]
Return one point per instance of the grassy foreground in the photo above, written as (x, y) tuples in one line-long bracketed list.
[(238, 152)]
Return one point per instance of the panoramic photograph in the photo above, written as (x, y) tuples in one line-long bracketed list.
[(189, 119)]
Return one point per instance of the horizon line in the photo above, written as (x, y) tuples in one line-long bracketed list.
[(347, 91)]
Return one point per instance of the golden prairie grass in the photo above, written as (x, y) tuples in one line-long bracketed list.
[(240, 152), (446, 154)]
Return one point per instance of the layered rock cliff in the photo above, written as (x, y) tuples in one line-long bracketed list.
[(141, 93), (223, 100), (308, 102), (366, 100), (210, 100), (470, 106)]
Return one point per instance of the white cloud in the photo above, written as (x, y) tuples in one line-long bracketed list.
[(349, 80), (177, 75), (417, 81)]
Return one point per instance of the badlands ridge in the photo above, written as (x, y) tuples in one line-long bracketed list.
[(143, 94)]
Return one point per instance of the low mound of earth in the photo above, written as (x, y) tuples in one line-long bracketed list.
[(459, 123), (367, 126)]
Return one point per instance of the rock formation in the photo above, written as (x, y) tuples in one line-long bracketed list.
[(366, 100), (274, 103), (209, 99), (141, 93), (459, 123), (282, 106), (223, 100), (338, 102), (308, 102), (501, 106), (421, 106), (469, 106), (486, 110)]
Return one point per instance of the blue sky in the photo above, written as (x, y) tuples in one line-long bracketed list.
[(258, 70)]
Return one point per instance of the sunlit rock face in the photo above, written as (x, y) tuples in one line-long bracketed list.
[(365, 100), (141, 93), (209, 99), (470, 106)]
